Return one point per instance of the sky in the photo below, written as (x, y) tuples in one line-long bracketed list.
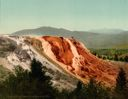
[(69, 14)]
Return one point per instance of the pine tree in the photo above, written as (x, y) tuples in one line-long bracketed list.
[(121, 84), (92, 90), (37, 71), (116, 57), (79, 92), (95, 90), (29, 83), (42, 83), (79, 86), (126, 58)]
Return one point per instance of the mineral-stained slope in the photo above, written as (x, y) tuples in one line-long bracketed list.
[(73, 57), (15, 51)]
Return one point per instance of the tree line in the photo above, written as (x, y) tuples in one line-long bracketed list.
[(34, 84), (111, 54)]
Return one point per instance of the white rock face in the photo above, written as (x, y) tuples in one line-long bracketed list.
[(24, 53)]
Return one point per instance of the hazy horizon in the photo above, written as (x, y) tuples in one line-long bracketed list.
[(81, 15)]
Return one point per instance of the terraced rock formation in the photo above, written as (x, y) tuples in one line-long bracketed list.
[(74, 58)]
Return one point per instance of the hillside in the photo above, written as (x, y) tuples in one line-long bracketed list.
[(16, 52), (66, 59), (73, 57)]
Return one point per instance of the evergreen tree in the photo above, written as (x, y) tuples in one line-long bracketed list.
[(79, 87), (29, 83), (126, 58), (43, 85), (37, 71), (116, 57), (79, 92), (95, 90), (122, 59), (15, 83), (121, 82), (121, 85), (92, 90)]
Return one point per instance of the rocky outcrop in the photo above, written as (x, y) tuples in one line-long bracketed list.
[(17, 51), (73, 57)]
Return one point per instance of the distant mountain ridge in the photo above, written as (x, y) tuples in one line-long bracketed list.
[(108, 31), (117, 39)]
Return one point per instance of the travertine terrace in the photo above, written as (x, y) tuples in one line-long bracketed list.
[(73, 57)]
